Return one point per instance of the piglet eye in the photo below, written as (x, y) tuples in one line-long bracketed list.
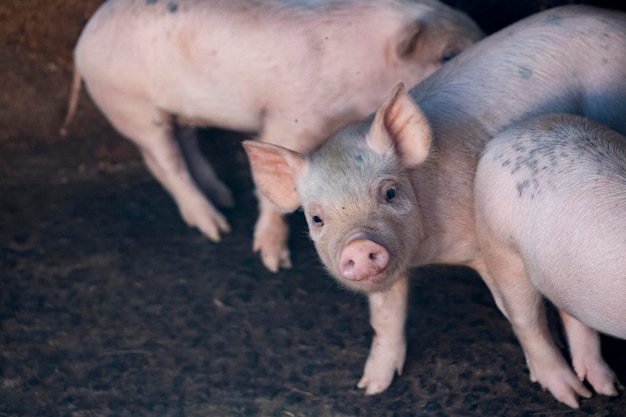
[(448, 56), (391, 193), (317, 220)]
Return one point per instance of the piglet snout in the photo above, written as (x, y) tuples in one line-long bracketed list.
[(362, 258)]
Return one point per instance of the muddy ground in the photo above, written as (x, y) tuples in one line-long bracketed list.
[(111, 306)]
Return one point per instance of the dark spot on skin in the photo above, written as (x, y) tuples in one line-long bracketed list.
[(172, 7), (536, 190), (151, 1), (555, 20), (359, 158), (525, 73), (605, 61), (295, 120), (521, 186)]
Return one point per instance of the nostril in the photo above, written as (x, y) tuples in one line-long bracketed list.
[(379, 258)]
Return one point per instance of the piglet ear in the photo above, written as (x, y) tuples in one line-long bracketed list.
[(399, 124), (275, 171)]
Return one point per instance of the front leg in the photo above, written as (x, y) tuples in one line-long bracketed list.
[(298, 131), (388, 310), (271, 232)]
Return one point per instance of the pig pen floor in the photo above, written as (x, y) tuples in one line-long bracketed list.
[(111, 306)]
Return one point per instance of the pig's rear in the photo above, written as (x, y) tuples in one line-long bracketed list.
[(554, 189)]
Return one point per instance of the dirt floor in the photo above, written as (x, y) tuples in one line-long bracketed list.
[(111, 306)]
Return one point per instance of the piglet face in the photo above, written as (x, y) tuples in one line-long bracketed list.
[(361, 211), (356, 193)]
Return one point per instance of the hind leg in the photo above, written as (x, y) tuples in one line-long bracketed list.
[(151, 130), (587, 360), (201, 170), (523, 305)]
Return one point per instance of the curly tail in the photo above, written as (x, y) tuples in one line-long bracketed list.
[(73, 102)]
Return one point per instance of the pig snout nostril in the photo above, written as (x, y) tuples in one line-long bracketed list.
[(379, 258), (361, 259), (347, 268)]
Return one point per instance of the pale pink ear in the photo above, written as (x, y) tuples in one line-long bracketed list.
[(400, 124), (275, 171)]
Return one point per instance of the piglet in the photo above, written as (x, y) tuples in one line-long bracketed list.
[(550, 198)]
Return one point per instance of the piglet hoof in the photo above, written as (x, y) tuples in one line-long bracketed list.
[(206, 218), (385, 359), (599, 375), (270, 240), (563, 384), (274, 255)]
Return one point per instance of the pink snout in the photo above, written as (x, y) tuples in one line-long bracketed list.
[(362, 259)]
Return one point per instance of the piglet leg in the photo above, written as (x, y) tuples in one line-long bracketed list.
[(167, 165), (388, 311), (270, 236), (271, 230), (150, 129), (523, 305), (201, 170), (587, 360)]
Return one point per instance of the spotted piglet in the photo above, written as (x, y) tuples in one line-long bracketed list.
[(550, 198)]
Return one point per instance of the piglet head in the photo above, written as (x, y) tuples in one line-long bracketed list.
[(356, 192)]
